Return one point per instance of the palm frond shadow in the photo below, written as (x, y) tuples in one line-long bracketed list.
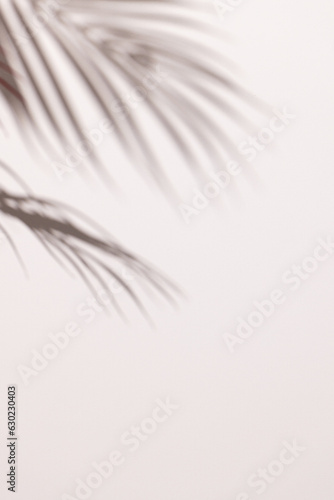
[(81, 246), (113, 47)]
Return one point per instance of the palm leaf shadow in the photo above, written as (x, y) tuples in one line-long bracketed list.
[(113, 47), (90, 253)]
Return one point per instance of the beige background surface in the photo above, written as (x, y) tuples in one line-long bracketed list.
[(235, 410)]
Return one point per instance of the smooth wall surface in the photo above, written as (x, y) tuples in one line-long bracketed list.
[(242, 369)]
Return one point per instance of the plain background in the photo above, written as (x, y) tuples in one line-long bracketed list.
[(235, 410)]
